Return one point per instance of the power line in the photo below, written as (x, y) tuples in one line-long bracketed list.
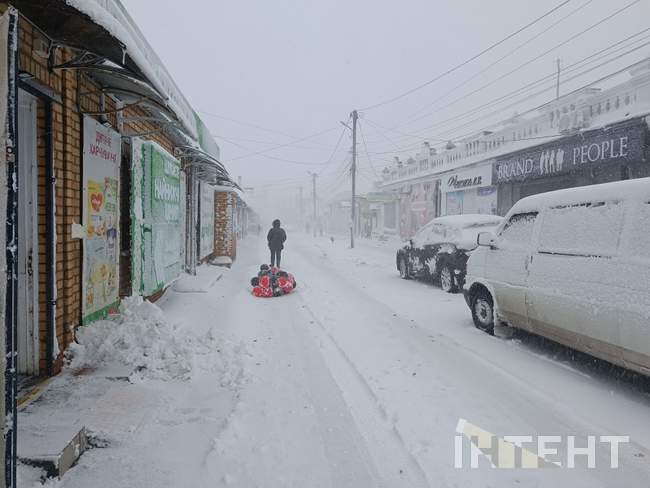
[(572, 67), (573, 37), (365, 147), (525, 43), (231, 139), (539, 93), (457, 67), (257, 153), (250, 124)]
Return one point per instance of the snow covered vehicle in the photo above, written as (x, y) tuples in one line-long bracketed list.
[(440, 249), (272, 282), (573, 266)]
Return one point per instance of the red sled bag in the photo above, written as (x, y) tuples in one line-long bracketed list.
[(272, 282)]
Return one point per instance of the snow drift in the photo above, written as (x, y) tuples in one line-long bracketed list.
[(142, 339)]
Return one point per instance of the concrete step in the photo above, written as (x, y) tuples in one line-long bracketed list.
[(55, 451)]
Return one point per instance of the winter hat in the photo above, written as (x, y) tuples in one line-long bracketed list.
[(255, 281), (276, 223)]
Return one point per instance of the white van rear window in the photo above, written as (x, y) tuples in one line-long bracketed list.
[(639, 246), (588, 229)]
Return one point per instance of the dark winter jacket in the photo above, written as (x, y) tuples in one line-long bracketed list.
[(276, 236)]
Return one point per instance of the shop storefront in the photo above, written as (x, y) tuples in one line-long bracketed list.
[(469, 191), (617, 152), (419, 203), (156, 218)]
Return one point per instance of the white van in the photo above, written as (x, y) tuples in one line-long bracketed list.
[(573, 266)]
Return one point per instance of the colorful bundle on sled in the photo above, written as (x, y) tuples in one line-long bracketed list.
[(272, 282)]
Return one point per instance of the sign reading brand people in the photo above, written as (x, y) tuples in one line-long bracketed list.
[(207, 220), (101, 170), (156, 217), (602, 146)]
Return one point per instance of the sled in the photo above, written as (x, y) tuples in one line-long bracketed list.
[(272, 282)]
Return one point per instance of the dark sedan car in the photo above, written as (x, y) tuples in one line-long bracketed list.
[(439, 250)]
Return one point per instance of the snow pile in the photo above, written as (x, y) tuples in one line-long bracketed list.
[(145, 341)]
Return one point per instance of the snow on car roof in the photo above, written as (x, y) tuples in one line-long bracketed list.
[(467, 220), (628, 190)]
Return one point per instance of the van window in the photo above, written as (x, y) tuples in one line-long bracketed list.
[(586, 229), (640, 234), (518, 231)]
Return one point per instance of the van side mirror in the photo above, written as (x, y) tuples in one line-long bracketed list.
[(486, 239)]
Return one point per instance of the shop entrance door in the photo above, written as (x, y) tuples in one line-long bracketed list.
[(27, 265)]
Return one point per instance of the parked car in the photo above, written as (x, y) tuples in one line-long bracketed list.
[(440, 249), (573, 266)]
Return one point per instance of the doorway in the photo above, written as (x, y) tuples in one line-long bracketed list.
[(27, 263)]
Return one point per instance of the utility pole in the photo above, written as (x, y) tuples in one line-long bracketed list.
[(353, 170), (557, 84), (314, 176)]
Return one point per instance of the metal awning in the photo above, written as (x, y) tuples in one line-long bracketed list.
[(204, 166), (66, 25)]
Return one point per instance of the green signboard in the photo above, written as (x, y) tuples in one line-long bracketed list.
[(156, 218)]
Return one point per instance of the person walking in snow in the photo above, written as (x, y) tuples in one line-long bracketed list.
[(276, 238)]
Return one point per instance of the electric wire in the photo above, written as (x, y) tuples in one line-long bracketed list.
[(472, 58)]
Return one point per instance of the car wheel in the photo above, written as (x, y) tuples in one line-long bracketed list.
[(483, 311), (403, 269), (447, 281)]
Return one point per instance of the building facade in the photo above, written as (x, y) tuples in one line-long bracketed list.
[(590, 136)]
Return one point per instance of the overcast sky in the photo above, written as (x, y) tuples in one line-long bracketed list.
[(287, 69)]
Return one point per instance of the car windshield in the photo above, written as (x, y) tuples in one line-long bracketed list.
[(325, 244)]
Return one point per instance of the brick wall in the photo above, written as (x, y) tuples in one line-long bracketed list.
[(66, 140), (225, 240)]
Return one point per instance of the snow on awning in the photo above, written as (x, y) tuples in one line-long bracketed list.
[(203, 166), (104, 29), (66, 25)]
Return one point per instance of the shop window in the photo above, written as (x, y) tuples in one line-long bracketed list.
[(573, 107), (607, 106), (591, 110), (599, 108), (617, 103), (627, 99), (552, 117)]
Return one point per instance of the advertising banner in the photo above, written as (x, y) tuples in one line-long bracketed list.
[(207, 220), (101, 171), (156, 218)]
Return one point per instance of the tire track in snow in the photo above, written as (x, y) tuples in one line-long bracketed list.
[(412, 470)]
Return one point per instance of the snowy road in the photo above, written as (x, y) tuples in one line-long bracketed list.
[(357, 379)]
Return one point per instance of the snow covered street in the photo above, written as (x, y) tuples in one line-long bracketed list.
[(357, 379)]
